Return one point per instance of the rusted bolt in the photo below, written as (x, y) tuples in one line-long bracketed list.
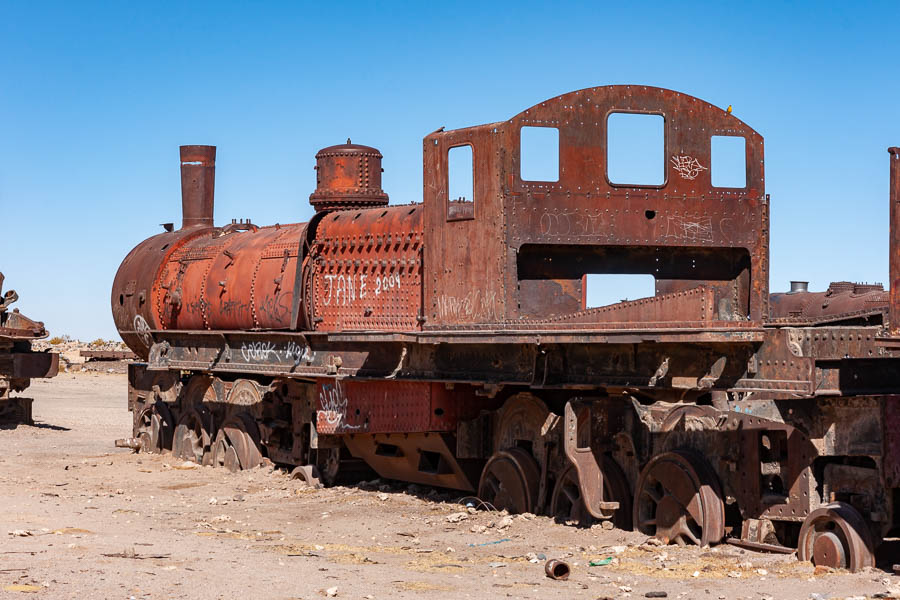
[(557, 569)]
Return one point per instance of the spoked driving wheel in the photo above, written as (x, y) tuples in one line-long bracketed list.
[(154, 426), (678, 500), (193, 437), (510, 481), (237, 444), (836, 536), (567, 504)]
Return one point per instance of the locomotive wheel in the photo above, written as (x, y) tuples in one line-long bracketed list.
[(193, 438), (155, 426), (567, 505), (836, 536), (510, 481), (678, 500), (246, 395), (237, 444), (224, 454), (524, 417)]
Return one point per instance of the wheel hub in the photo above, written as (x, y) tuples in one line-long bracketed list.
[(828, 550)]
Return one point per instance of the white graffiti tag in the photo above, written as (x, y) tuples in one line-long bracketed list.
[(268, 351), (342, 290), (332, 404), (687, 166), (258, 351), (142, 330)]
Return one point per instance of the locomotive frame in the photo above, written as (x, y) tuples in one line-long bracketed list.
[(448, 342)]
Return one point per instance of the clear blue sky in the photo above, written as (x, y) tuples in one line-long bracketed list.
[(96, 98)]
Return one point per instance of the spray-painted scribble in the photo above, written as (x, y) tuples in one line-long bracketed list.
[(474, 305), (143, 330), (264, 351), (689, 228), (573, 223), (258, 351), (332, 409), (342, 290), (687, 166)]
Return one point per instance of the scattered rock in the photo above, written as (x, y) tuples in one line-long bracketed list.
[(331, 592), (457, 517), (186, 466), (618, 549), (656, 595), (607, 525), (21, 533), (382, 496), (497, 565), (734, 574), (505, 522)]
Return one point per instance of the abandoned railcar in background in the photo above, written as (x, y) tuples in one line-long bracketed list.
[(19, 364), (449, 342)]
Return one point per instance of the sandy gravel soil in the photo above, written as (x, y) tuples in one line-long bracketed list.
[(82, 519)]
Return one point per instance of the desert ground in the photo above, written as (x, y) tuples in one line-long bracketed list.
[(80, 518)]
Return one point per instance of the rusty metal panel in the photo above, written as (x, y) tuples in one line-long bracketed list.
[(891, 427), (367, 270), (473, 264), (894, 246), (693, 305), (426, 458), (359, 406), (372, 406)]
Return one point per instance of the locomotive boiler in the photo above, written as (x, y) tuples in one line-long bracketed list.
[(449, 342)]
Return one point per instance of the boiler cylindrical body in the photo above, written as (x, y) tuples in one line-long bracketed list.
[(209, 279)]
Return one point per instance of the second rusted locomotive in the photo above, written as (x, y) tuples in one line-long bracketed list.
[(449, 343), (18, 362)]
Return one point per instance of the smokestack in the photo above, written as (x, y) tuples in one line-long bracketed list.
[(894, 246), (799, 286), (198, 183)]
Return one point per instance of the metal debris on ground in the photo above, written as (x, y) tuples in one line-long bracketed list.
[(557, 569)]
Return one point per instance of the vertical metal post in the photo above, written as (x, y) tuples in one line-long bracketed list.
[(895, 242)]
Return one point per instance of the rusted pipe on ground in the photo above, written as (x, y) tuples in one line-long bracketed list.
[(198, 183), (894, 247), (557, 569)]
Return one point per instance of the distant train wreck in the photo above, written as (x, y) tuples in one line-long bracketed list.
[(18, 363)]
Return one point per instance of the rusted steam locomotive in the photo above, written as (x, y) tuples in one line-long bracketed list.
[(18, 363), (448, 342)]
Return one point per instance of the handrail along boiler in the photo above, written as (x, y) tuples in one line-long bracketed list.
[(448, 342)]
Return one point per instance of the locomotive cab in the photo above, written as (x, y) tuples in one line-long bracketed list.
[(520, 250)]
